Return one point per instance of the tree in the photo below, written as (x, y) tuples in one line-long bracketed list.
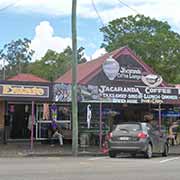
[(80, 54), (54, 64), (17, 54), (152, 40)]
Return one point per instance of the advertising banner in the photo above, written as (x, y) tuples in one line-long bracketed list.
[(9, 90), (62, 93), (118, 94)]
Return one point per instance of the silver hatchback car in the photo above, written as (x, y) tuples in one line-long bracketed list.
[(137, 137)]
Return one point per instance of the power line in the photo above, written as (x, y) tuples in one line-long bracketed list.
[(94, 6), (9, 6), (121, 2)]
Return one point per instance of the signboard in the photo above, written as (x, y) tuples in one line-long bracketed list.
[(10, 90), (62, 93), (152, 80), (119, 94), (170, 114), (114, 71), (117, 70)]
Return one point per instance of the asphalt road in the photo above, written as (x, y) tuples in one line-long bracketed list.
[(90, 168)]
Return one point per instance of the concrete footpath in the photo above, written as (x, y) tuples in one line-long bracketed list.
[(20, 149), (175, 150), (24, 150)]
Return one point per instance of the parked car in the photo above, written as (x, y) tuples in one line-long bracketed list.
[(137, 137)]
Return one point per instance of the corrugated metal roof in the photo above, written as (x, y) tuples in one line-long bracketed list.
[(86, 71)]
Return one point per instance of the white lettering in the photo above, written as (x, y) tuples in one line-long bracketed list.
[(169, 97), (104, 89), (157, 91), (129, 71)]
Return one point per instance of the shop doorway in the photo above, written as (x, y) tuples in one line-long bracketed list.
[(19, 116)]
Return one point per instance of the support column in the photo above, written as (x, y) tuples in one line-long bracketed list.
[(100, 125), (159, 116), (32, 126), (2, 113)]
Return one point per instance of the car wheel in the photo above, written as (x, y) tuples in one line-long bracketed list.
[(166, 150), (112, 154), (148, 153)]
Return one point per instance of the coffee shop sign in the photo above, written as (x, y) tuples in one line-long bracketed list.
[(147, 90), (114, 71)]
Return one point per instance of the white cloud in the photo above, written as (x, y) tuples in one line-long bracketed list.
[(163, 10), (99, 52), (44, 39), (108, 9)]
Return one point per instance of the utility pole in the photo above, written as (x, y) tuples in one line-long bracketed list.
[(74, 82)]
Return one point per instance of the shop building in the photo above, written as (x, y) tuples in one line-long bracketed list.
[(113, 88), (117, 86), (22, 98)]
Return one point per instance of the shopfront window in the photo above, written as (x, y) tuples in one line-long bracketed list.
[(89, 122), (45, 113)]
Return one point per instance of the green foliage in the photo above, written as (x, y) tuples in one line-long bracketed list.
[(54, 64), (152, 40), (17, 55)]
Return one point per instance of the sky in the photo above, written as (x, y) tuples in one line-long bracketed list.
[(47, 23)]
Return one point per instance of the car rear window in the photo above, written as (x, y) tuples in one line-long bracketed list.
[(128, 127)]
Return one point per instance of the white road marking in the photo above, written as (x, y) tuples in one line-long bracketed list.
[(170, 159), (127, 160), (97, 158)]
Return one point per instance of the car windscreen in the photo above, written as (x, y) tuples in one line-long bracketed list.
[(128, 127)]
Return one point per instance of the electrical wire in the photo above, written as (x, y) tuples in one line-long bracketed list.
[(121, 2), (94, 6), (9, 6)]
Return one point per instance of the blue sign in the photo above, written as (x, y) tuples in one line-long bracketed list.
[(170, 114)]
